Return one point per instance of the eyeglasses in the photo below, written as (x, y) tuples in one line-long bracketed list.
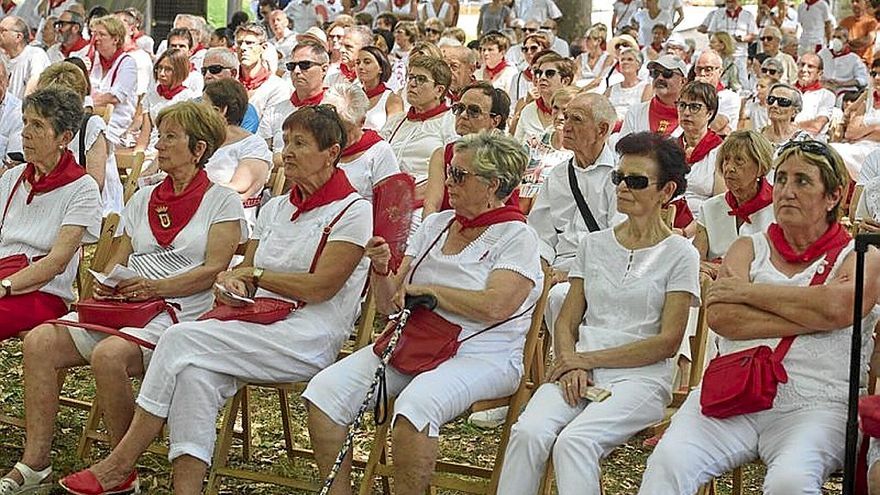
[(531, 48), (690, 107), (548, 73), (875, 73), (705, 69), (473, 111), (597, 38), (781, 101), (548, 28), (418, 79), (661, 71), (634, 182), (213, 69), (458, 175), (530, 30), (769, 72), (335, 36), (303, 65), (433, 31), (767, 39), (60, 24)]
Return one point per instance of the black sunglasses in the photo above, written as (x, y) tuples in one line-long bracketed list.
[(769, 72), (782, 101), (530, 49), (530, 30), (303, 65), (213, 69), (767, 39), (810, 146), (433, 31), (60, 24), (661, 71), (458, 175), (634, 182), (548, 73), (473, 111)]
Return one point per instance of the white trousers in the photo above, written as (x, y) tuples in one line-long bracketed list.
[(555, 298), (430, 399), (801, 447), (578, 437)]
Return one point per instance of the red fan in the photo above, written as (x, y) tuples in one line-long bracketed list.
[(393, 199)]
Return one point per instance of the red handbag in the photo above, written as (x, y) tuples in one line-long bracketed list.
[(119, 314), (869, 415), (427, 341), (12, 264), (746, 381)]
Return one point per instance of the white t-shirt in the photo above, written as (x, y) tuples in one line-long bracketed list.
[(729, 104), (701, 180), (303, 15), (813, 19), (818, 103), (272, 92), (195, 82), (27, 66), (10, 125), (32, 229), (375, 164), (843, 67), (144, 63), (120, 81), (623, 98), (539, 10), (153, 103), (55, 55), (529, 123), (111, 191), (646, 24), (414, 142), (721, 227), (223, 163), (189, 248), (741, 25), (757, 114), (502, 81), (640, 280), (625, 13)]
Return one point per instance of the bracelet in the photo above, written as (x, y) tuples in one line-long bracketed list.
[(377, 272)]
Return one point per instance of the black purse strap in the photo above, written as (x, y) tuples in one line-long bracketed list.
[(82, 139), (579, 199), (496, 325)]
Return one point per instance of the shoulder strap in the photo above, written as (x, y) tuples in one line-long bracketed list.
[(496, 325), (326, 234), (82, 138), (412, 271), (116, 69), (9, 199), (579, 199), (394, 133), (105, 330)]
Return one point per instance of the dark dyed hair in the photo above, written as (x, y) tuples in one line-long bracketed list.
[(181, 33), (500, 100), (322, 122), (237, 19), (229, 93), (382, 60), (666, 153), (703, 92)]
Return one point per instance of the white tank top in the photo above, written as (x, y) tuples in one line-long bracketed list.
[(622, 98), (376, 116)]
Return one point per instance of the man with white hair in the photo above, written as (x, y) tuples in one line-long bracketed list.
[(462, 63), (771, 38), (283, 37), (221, 63), (355, 38), (660, 113), (818, 102), (197, 27), (71, 43), (10, 118), (708, 70), (264, 88), (26, 62)]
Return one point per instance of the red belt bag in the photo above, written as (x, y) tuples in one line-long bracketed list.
[(119, 314), (746, 381), (264, 311)]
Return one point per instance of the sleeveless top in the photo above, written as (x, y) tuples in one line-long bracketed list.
[(622, 98), (721, 228), (376, 116)]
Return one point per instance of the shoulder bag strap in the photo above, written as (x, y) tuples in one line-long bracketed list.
[(82, 139), (326, 234), (496, 325), (579, 199), (9, 199), (394, 133), (412, 271)]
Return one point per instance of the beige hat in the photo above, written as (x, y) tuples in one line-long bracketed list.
[(626, 40), (314, 33)]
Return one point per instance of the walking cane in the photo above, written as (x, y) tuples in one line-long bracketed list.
[(410, 304), (855, 365)]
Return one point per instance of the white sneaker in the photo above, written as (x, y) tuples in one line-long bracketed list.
[(490, 418)]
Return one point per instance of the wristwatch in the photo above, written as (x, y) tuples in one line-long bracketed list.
[(6, 284), (257, 275)]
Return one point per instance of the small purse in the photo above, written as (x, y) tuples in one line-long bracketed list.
[(119, 314), (427, 341), (12, 264), (869, 415)]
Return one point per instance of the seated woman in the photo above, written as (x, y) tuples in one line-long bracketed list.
[(593, 65), (862, 121), (169, 72), (243, 162), (697, 106), (100, 161), (373, 71), (625, 352), (551, 73), (754, 109), (632, 89), (177, 263), (745, 208), (765, 292), (784, 102), (197, 366), (366, 158), (481, 263), (50, 207)]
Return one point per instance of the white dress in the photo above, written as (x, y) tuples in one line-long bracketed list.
[(222, 165), (111, 191), (701, 180), (721, 227), (376, 116), (623, 98), (375, 164)]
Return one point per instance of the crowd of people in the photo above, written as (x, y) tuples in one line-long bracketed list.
[(644, 174)]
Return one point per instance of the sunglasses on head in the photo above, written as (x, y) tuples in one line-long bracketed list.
[(661, 71), (472, 111), (781, 101), (810, 146), (303, 65), (458, 175), (213, 69), (634, 182), (548, 73), (769, 72)]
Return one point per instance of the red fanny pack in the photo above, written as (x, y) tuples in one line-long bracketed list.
[(10, 265), (746, 381), (119, 314)]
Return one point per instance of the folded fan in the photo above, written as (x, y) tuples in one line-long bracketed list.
[(393, 199)]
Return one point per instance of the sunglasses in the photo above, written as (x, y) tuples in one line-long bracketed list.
[(548, 73), (781, 101), (767, 39), (303, 65), (530, 30), (810, 146), (433, 31), (458, 175), (634, 182), (60, 24), (661, 71), (694, 107), (418, 79), (213, 69), (473, 111), (769, 72), (875, 73), (531, 48)]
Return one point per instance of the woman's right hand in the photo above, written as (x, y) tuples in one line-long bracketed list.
[(231, 284), (101, 292), (379, 253), (709, 269)]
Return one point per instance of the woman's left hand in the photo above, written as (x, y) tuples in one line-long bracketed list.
[(564, 364), (730, 290), (138, 289)]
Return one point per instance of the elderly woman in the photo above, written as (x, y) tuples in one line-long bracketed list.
[(594, 64), (552, 72), (100, 162), (754, 109), (366, 158), (113, 75), (792, 281), (199, 365), (743, 160), (50, 207), (784, 102), (655, 275), (177, 264), (243, 161), (373, 71), (169, 73), (697, 105), (480, 260), (632, 89)]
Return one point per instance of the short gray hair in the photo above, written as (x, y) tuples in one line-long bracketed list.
[(496, 156), (317, 50), (635, 53), (350, 101), (229, 58), (20, 27), (362, 32), (61, 106), (600, 107), (796, 99), (75, 17), (254, 28)]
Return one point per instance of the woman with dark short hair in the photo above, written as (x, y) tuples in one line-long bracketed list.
[(697, 106), (373, 71), (169, 73)]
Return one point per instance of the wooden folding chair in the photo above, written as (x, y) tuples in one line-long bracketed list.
[(104, 111), (240, 403), (103, 249), (276, 181), (457, 476), (129, 166)]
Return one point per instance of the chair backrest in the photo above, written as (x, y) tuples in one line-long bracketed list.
[(700, 340), (103, 249), (129, 166), (533, 360), (276, 181)]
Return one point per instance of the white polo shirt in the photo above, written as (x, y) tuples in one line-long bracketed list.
[(813, 19), (843, 67), (817, 103)]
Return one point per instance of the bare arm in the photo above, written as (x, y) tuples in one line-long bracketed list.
[(96, 160), (435, 186), (814, 125), (565, 333), (143, 139), (393, 105), (104, 99), (701, 242), (250, 176), (40, 273), (719, 124)]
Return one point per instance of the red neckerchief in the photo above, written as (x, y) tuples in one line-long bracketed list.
[(106, 64), (64, 173), (543, 106), (761, 200), (367, 140), (771, 3), (815, 86), (169, 93), (76, 46), (8, 6), (845, 51), (708, 143), (136, 36), (810, 3), (662, 118), (683, 214), (735, 13), (494, 71), (625, 2), (378, 90), (349, 74), (415, 116), (658, 47), (55, 3), (528, 71), (311, 101), (491, 217), (719, 86), (252, 83), (833, 238), (453, 96), (169, 212), (338, 187), (876, 95), (129, 46), (400, 3)]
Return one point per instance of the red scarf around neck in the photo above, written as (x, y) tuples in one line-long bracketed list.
[(348, 73), (493, 72), (876, 94), (771, 4), (528, 73), (138, 35), (199, 48), (378, 90), (169, 93), (662, 118), (367, 140), (107, 63), (65, 172), (833, 238), (658, 47), (810, 3), (311, 101), (400, 3), (719, 86), (498, 215), (709, 142), (78, 45), (745, 210), (815, 86), (252, 83), (543, 107), (735, 13), (413, 115), (55, 3), (338, 187), (169, 213)]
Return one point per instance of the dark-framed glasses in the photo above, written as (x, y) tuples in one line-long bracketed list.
[(548, 73), (768, 71), (472, 111), (418, 79), (692, 107), (634, 182)]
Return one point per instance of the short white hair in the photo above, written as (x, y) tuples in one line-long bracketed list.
[(447, 41), (350, 101)]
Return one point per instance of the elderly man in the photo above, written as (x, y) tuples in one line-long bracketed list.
[(355, 38), (844, 70), (862, 29), (514, 54), (462, 62), (221, 63), (10, 118), (197, 27), (264, 88), (26, 62), (740, 25), (816, 24), (283, 37), (771, 38), (708, 70), (71, 43), (660, 113), (557, 44), (818, 101)]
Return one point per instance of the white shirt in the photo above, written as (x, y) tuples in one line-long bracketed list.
[(271, 122), (374, 164), (701, 180), (555, 215), (721, 228), (224, 162), (153, 104), (625, 13), (843, 67), (27, 66), (742, 25), (870, 169), (514, 55), (813, 19), (377, 116), (195, 82), (623, 98), (529, 123), (414, 142), (646, 24), (111, 191), (539, 10), (144, 69), (729, 105), (121, 82), (302, 14), (272, 92), (146, 43), (55, 55), (757, 114), (502, 81), (818, 103), (642, 278), (519, 88), (10, 125)]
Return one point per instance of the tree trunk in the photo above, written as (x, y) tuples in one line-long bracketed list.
[(575, 18)]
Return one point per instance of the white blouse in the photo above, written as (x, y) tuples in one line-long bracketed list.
[(224, 162), (701, 180), (375, 164), (623, 98), (377, 116), (529, 123), (721, 228), (111, 192), (120, 81), (414, 142)]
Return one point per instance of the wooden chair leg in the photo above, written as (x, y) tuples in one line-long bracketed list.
[(86, 440), (737, 481), (224, 442), (246, 432), (378, 455), (386, 483), (284, 403)]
